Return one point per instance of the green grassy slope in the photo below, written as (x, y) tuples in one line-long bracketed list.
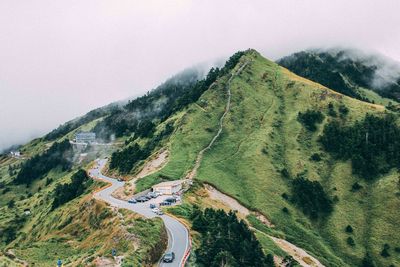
[(261, 137), (78, 232)]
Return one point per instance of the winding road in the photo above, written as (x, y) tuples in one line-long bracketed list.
[(178, 235)]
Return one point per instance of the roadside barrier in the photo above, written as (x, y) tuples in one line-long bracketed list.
[(189, 249)]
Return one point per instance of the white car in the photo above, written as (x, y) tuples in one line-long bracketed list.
[(155, 210)]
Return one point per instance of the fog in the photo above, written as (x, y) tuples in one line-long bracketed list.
[(60, 59)]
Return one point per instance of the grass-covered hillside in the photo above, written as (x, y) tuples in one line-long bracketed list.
[(268, 156), (47, 211)]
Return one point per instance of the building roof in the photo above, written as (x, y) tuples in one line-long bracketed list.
[(170, 183)]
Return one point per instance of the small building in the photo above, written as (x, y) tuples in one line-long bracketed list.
[(85, 137), (15, 154), (170, 187)]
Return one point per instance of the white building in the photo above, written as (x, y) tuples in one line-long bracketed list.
[(170, 187), (15, 154), (85, 137)]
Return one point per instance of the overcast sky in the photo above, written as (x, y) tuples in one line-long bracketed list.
[(60, 59)]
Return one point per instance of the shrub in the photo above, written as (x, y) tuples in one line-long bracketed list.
[(343, 110), (285, 210), (349, 229), (316, 157), (311, 198), (350, 241), (385, 251), (310, 118), (356, 187)]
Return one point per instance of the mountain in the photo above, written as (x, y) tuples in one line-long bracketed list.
[(299, 161), (350, 72)]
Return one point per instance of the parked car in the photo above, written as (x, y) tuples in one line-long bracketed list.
[(132, 200), (120, 180), (165, 203), (169, 257), (152, 195), (159, 212), (141, 199), (152, 206), (155, 210), (171, 200)]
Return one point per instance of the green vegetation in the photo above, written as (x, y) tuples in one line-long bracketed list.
[(58, 155), (226, 240), (63, 193), (310, 118), (345, 73), (138, 115), (372, 144), (311, 198), (263, 145)]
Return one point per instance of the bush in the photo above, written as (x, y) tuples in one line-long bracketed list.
[(343, 110), (310, 118), (385, 251), (285, 210), (331, 110), (356, 187), (311, 198), (349, 229), (350, 241), (315, 157)]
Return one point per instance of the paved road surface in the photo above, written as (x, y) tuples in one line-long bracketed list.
[(178, 238)]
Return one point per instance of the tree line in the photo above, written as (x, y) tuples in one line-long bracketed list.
[(58, 155), (372, 144), (64, 193)]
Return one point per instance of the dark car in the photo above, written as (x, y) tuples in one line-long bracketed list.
[(171, 200), (165, 203), (132, 200), (169, 257), (141, 199), (152, 206)]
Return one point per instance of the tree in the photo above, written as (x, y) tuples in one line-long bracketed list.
[(226, 241), (58, 155), (350, 241), (310, 118), (311, 198), (11, 204), (349, 229), (367, 261), (64, 193)]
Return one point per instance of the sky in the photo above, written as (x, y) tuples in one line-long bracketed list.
[(60, 59)]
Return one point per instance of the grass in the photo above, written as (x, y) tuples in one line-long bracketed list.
[(78, 231), (261, 136)]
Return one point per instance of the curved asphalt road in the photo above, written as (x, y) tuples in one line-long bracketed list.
[(178, 236)]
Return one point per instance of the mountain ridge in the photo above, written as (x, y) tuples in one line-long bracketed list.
[(263, 148)]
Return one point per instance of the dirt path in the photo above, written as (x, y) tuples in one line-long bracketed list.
[(193, 172), (300, 255)]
